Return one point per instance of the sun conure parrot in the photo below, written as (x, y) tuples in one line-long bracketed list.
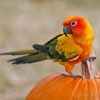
[(68, 49)]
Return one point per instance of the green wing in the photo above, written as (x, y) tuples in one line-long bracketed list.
[(51, 51), (63, 48)]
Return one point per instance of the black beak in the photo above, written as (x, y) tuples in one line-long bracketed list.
[(67, 30)]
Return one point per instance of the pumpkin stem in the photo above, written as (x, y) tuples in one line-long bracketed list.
[(89, 70)]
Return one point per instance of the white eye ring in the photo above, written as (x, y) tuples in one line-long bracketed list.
[(74, 23)]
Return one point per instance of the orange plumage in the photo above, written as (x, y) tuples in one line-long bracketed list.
[(82, 33)]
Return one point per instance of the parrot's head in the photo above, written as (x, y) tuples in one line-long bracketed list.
[(77, 26)]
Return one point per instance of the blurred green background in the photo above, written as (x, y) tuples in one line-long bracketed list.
[(25, 22)]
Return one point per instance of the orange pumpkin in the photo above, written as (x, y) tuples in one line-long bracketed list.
[(60, 87)]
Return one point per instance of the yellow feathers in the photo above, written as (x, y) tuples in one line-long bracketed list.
[(68, 46)]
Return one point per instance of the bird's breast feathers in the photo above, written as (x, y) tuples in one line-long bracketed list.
[(68, 47)]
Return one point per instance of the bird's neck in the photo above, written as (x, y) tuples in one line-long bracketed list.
[(86, 43), (85, 40)]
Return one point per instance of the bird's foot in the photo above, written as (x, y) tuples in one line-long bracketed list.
[(73, 75)]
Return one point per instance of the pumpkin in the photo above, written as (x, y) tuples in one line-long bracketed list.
[(62, 87)]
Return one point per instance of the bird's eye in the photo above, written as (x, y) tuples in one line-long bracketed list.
[(73, 23)]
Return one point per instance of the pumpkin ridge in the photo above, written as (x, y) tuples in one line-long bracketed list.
[(87, 86), (74, 90), (79, 92), (97, 87)]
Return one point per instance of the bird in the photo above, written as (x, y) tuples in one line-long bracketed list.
[(73, 46)]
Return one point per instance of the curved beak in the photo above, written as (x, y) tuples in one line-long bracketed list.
[(67, 30)]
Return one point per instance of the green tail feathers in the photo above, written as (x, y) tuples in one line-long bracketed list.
[(21, 52), (28, 59), (26, 56)]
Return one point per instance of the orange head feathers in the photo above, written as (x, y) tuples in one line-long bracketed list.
[(79, 25)]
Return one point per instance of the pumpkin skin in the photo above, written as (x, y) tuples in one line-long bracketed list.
[(61, 87)]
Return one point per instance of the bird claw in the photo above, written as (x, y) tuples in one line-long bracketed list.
[(72, 75), (77, 76), (66, 75)]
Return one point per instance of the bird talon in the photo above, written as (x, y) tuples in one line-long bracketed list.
[(78, 76), (72, 75), (75, 76), (66, 75)]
